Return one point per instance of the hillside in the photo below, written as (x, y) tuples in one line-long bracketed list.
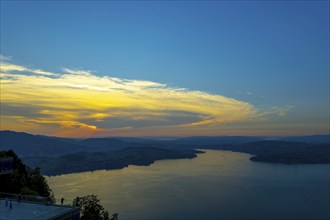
[(283, 152), (65, 155), (84, 161), (320, 139), (23, 179), (26, 145)]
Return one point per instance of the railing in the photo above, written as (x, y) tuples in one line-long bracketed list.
[(34, 199), (72, 213), (25, 198)]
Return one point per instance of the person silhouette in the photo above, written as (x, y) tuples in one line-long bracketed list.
[(62, 200), (10, 205)]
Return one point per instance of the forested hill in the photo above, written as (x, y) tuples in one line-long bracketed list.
[(65, 155), (35, 145), (283, 152), (28, 145), (320, 139), (83, 161), (22, 179)]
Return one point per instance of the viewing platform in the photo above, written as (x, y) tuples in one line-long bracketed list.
[(34, 208)]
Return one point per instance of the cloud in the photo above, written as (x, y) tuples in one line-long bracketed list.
[(81, 103), (4, 58), (77, 72), (12, 68), (281, 111)]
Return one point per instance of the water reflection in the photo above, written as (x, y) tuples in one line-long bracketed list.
[(215, 185)]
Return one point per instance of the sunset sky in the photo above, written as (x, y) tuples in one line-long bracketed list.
[(165, 68)]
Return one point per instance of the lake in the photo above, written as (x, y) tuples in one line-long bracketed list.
[(215, 185)]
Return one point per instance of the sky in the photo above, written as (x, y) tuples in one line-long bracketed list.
[(165, 68)]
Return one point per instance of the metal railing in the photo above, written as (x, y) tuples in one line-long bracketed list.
[(71, 213), (34, 199)]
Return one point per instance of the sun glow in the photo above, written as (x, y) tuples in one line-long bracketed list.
[(81, 103)]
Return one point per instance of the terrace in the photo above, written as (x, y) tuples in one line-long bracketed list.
[(34, 208)]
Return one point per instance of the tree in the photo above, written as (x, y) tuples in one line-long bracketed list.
[(90, 208), (114, 216), (23, 179)]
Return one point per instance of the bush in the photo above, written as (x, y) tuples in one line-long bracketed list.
[(28, 191)]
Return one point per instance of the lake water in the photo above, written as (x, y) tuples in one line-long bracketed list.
[(215, 185)]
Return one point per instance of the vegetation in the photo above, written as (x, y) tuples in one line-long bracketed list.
[(90, 161), (309, 155), (23, 179), (66, 155), (284, 152), (90, 208), (26, 181)]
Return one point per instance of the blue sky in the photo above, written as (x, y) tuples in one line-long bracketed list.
[(273, 55)]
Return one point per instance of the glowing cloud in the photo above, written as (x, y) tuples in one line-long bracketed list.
[(80, 103)]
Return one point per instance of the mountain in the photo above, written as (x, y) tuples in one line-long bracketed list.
[(312, 154), (283, 151), (308, 139), (35, 145), (28, 145), (212, 140), (303, 149), (105, 144)]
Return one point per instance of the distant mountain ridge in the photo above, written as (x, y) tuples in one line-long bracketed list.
[(25, 144), (57, 155), (28, 145), (287, 149), (308, 139), (283, 151)]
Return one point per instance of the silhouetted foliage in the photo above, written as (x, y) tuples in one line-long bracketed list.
[(114, 216), (22, 179), (90, 208)]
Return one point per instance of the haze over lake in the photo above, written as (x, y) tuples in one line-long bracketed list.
[(215, 185)]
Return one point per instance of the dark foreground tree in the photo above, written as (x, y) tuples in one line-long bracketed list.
[(90, 208), (23, 179)]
